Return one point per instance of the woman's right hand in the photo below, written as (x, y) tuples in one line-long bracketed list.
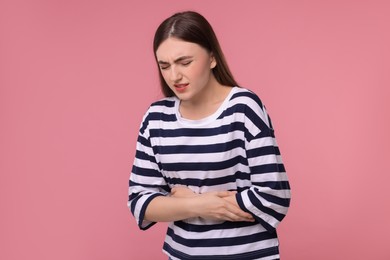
[(216, 206)]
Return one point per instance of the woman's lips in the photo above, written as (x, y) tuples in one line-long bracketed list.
[(181, 87)]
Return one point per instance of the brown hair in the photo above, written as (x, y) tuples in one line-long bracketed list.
[(192, 27)]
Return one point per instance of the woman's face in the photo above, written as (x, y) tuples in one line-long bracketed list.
[(185, 67)]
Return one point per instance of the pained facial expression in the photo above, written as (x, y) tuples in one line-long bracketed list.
[(185, 67)]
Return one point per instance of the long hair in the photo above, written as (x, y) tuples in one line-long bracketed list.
[(192, 27)]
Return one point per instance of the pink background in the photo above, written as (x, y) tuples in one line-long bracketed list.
[(77, 76)]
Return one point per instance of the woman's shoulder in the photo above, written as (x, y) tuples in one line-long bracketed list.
[(163, 105), (161, 108), (164, 102), (253, 107), (246, 97)]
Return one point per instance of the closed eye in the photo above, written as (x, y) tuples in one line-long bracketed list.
[(186, 63), (163, 65)]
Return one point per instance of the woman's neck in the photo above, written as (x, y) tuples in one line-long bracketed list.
[(206, 104)]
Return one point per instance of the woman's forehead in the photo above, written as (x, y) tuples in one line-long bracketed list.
[(173, 48)]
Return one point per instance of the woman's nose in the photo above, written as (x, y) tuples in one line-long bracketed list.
[(175, 75)]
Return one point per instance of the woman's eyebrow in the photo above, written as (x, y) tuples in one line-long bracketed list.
[(181, 58), (163, 62)]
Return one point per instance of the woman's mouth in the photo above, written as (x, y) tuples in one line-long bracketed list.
[(181, 87)]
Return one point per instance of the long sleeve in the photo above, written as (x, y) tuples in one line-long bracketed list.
[(268, 197), (233, 149), (146, 181)]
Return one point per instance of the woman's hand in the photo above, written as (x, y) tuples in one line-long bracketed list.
[(218, 205), (221, 205)]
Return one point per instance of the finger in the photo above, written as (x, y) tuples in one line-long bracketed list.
[(240, 213), (233, 217), (178, 188), (223, 194)]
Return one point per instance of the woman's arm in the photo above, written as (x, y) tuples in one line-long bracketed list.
[(183, 204), (268, 197)]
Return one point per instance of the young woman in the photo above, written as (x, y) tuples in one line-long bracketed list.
[(206, 158)]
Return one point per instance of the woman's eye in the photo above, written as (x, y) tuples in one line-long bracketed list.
[(164, 67), (186, 63)]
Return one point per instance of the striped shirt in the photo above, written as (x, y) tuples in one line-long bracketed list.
[(233, 149)]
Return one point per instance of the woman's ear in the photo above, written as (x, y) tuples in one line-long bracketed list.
[(213, 61)]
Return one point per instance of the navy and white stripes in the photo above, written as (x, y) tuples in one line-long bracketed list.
[(233, 149)]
